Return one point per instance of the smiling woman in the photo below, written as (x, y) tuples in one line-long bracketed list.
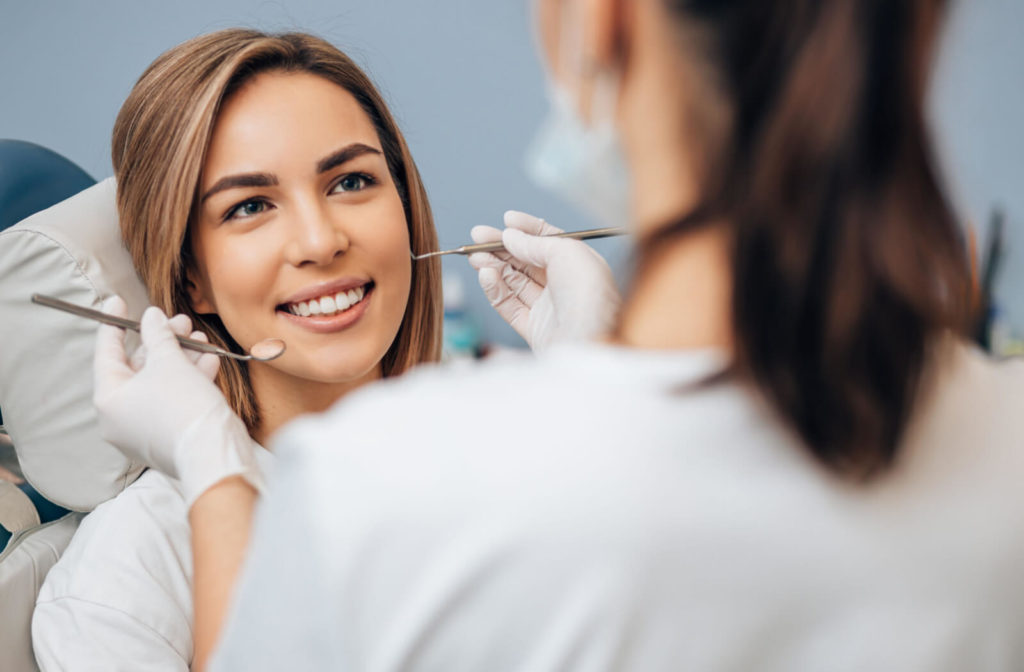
[(298, 208), (264, 190), (306, 190)]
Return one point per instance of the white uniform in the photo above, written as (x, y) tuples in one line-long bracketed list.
[(120, 598), (625, 525)]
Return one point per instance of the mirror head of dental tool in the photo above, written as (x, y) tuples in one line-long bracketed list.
[(498, 246), (263, 351)]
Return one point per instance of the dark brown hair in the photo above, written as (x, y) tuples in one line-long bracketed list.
[(847, 262), (159, 146)]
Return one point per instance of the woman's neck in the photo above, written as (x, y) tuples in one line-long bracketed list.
[(283, 397)]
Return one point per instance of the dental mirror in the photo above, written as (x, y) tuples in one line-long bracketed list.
[(267, 349), (263, 351)]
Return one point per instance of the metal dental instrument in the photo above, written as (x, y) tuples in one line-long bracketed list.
[(496, 246), (264, 351)]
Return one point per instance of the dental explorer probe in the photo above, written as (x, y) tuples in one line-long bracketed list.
[(264, 351), (497, 246)]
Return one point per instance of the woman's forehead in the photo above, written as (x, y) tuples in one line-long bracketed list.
[(279, 115)]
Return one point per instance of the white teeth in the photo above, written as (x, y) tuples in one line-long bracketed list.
[(328, 305)]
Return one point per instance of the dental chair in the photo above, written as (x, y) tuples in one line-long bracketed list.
[(71, 250), (32, 178)]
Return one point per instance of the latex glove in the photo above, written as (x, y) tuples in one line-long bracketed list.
[(549, 290), (162, 408)]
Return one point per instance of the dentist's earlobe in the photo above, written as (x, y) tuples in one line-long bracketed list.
[(602, 33)]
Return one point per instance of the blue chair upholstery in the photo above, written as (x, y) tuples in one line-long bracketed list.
[(32, 178)]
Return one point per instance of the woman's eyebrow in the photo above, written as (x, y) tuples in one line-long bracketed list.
[(245, 180), (344, 155)]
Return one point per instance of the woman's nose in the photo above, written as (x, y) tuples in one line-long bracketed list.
[(317, 237)]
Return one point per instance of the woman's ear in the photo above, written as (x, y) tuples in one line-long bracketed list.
[(198, 294)]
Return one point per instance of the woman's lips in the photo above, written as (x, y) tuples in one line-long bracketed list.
[(326, 324), (327, 288)]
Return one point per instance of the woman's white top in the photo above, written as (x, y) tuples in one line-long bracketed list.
[(582, 512), (120, 598)]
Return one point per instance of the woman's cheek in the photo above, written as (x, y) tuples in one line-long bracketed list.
[(398, 265)]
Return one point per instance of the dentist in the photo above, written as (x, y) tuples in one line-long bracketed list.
[(785, 456)]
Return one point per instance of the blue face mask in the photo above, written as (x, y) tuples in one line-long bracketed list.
[(583, 163)]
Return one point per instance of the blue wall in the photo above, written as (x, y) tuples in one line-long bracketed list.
[(463, 80), (978, 111)]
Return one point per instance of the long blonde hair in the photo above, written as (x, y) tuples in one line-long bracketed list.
[(159, 147)]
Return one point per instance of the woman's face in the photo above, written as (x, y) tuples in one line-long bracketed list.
[(301, 234)]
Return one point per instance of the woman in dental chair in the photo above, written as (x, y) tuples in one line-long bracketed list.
[(264, 190)]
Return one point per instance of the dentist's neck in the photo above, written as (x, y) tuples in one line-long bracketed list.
[(682, 295)]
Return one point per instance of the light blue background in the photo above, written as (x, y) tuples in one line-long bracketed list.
[(464, 82)]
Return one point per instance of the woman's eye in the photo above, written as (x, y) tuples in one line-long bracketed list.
[(353, 182), (247, 209)]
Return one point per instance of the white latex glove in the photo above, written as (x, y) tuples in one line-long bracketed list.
[(162, 408), (550, 290)]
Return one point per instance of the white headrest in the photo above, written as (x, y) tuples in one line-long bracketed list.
[(73, 251)]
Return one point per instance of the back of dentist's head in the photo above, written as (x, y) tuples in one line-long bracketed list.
[(847, 263)]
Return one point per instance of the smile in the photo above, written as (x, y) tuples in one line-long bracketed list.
[(329, 304)]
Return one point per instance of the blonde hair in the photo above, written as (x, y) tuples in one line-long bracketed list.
[(159, 147)]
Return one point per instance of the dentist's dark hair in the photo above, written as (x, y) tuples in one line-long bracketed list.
[(848, 266)]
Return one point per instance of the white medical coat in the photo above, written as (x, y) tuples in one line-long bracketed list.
[(120, 598), (578, 512)]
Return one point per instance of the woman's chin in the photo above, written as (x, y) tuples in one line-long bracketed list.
[(324, 371)]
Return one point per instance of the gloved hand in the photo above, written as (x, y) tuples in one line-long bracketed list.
[(162, 408), (550, 290)]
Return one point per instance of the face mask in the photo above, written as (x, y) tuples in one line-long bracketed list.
[(582, 163)]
